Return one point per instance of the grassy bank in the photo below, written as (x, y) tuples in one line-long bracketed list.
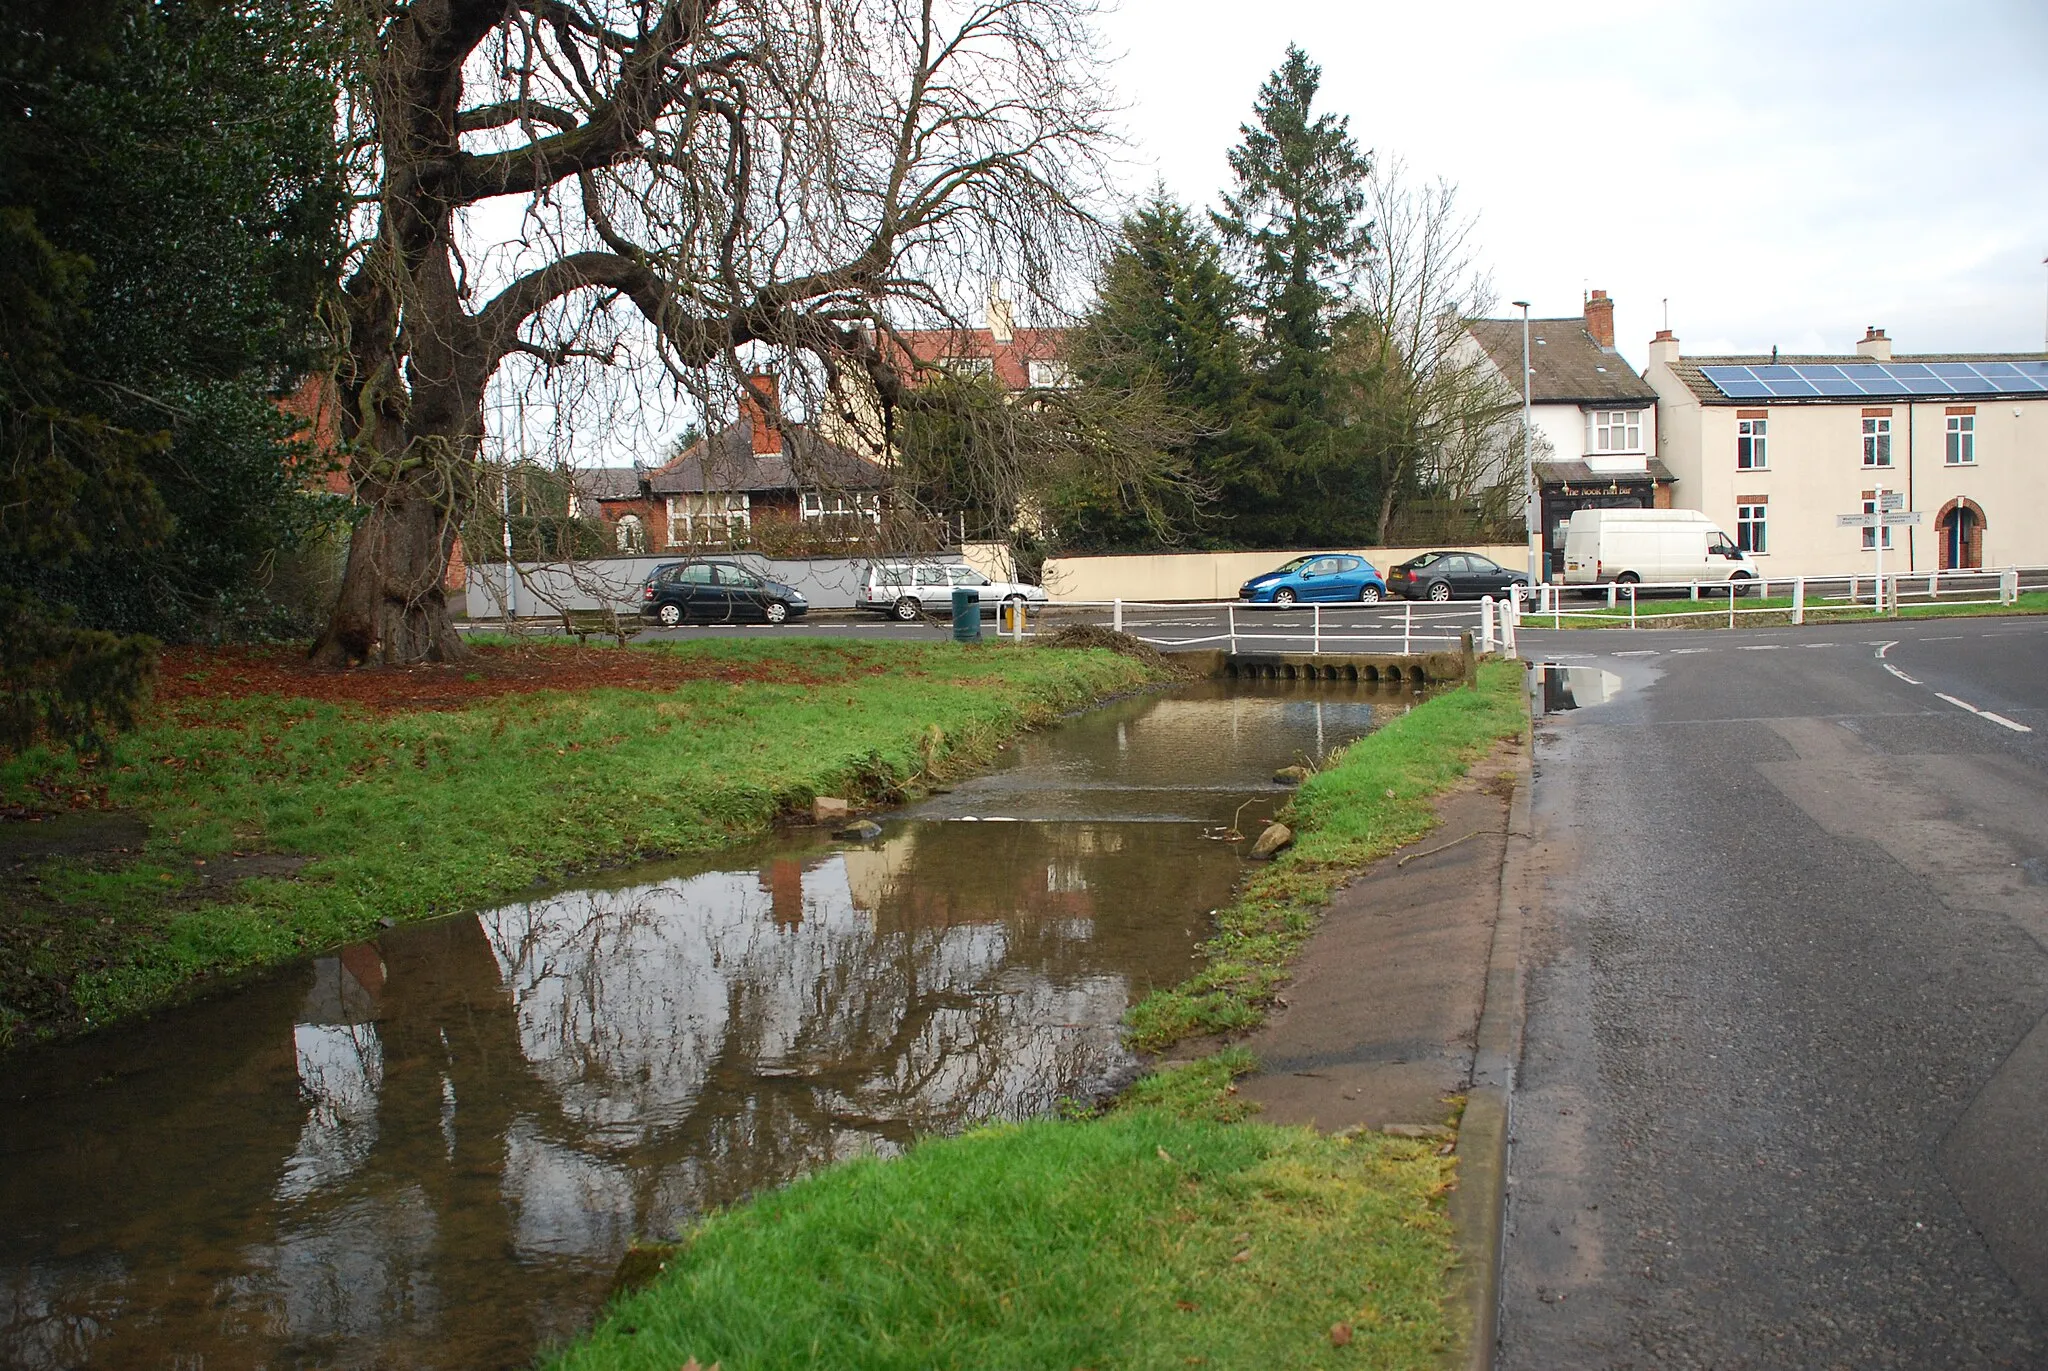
[(1377, 797), (279, 822), (1157, 1237), (1759, 613)]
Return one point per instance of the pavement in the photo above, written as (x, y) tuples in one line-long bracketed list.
[(1783, 1097)]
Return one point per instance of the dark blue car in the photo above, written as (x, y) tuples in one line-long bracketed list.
[(1319, 577)]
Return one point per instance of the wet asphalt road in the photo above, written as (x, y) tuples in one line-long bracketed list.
[(1784, 1093)]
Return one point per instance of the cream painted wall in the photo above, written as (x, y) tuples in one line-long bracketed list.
[(1207, 575), (1816, 472)]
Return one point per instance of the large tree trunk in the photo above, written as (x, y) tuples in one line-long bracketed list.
[(392, 609)]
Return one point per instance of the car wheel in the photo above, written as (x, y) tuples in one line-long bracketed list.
[(908, 609), (670, 615), (1368, 595), (1440, 590), (776, 612), (1283, 597), (1628, 578), (1739, 584)]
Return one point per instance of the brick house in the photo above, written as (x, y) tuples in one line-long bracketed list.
[(1595, 418), (726, 489)]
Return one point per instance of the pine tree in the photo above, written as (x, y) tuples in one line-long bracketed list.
[(1165, 321), (1293, 222)]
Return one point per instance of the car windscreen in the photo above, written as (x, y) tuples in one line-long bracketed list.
[(1297, 564)]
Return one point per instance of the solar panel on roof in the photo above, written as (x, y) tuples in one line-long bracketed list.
[(1808, 380)]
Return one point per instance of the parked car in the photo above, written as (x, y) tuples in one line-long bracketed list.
[(1631, 546), (1453, 576), (707, 590), (1320, 576), (910, 590)]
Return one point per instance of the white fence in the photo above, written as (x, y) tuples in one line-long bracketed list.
[(1727, 602), (1389, 627)]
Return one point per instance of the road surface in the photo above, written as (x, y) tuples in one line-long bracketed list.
[(1783, 1099)]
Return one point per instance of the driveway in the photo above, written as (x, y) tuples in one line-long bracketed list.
[(1784, 1093)]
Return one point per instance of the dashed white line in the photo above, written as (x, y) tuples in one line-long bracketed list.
[(1760, 647), (1638, 652), (1900, 674), (1999, 719)]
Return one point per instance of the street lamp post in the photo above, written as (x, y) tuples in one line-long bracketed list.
[(1532, 518)]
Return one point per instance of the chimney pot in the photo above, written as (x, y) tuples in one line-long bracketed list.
[(1600, 318), (1875, 345)]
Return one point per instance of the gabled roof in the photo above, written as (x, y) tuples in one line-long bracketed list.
[(608, 483), (726, 462), (1566, 365), (1687, 369)]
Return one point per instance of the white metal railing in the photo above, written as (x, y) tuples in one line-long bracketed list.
[(1797, 596), (1385, 626)]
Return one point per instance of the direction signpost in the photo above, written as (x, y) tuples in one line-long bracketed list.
[(1892, 513)]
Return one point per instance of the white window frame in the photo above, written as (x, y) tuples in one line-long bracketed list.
[(1872, 535), (1614, 430), (631, 533), (705, 518), (968, 366), (1877, 443), (1753, 528), (1962, 440), (1751, 439), (1044, 375)]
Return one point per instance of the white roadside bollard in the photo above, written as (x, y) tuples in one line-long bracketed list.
[(1116, 615), (1799, 599), (1486, 623), (2009, 586)]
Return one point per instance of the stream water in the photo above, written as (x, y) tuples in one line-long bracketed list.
[(431, 1150)]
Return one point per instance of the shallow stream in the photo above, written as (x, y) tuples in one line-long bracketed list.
[(431, 1150)]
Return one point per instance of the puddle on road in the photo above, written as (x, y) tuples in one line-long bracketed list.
[(1559, 688), (431, 1150)]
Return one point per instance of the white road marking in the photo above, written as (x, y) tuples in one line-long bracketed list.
[(1956, 639), (1638, 652), (1760, 647), (1900, 674), (1684, 651), (1983, 713), (1883, 648)]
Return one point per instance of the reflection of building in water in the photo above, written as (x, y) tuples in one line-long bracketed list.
[(748, 1026), (341, 1070)]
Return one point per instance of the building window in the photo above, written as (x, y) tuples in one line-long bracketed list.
[(1614, 430), (632, 534), (1050, 375), (967, 366), (841, 514), (701, 520), (1962, 440), (1877, 443), (1749, 445), (1872, 535), (1750, 531)]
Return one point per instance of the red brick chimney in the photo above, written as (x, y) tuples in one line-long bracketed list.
[(1600, 318), (767, 438)]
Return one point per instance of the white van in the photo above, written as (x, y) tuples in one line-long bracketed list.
[(1631, 546)]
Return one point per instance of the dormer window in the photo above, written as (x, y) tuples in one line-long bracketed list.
[(1614, 430), (967, 366), (1050, 375)]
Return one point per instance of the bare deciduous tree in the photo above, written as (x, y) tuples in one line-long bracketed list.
[(1432, 405), (691, 178)]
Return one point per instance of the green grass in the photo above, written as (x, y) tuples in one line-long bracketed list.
[(405, 816), (1151, 1238), (1776, 610), (1375, 798)]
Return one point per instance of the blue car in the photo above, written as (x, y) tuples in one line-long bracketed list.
[(1323, 576)]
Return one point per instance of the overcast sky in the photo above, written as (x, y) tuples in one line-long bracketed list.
[(1783, 173)]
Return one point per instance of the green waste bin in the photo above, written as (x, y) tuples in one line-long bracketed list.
[(966, 615)]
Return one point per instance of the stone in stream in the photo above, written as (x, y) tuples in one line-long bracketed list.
[(865, 831), (1291, 775), (1271, 841), (826, 809)]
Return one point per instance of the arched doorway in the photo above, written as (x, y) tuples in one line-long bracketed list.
[(1960, 526)]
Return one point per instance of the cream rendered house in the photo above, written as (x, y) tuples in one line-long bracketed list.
[(1774, 448)]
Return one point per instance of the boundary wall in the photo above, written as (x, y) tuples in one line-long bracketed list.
[(1154, 577)]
